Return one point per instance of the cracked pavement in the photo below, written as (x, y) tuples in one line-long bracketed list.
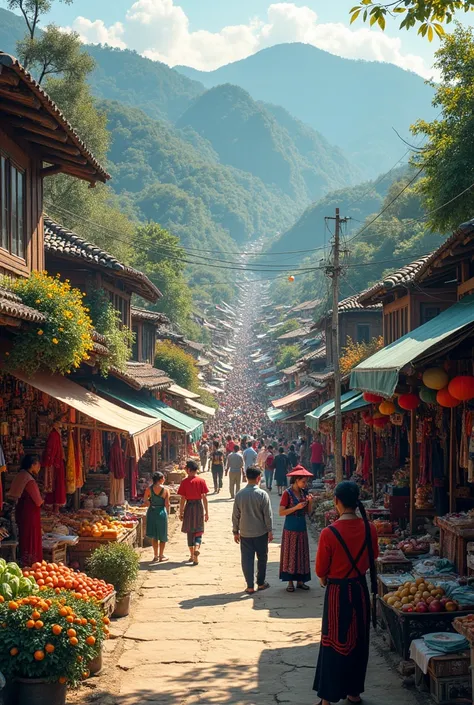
[(194, 637)]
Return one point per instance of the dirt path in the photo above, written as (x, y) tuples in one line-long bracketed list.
[(193, 637)]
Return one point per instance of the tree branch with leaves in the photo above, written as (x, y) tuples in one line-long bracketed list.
[(428, 15)]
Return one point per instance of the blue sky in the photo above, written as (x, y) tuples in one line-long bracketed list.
[(208, 33)]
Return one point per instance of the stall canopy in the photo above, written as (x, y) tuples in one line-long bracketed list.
[(314, 417), (181, 392), (208, 410), (144, 432), (296, 395), (154, 408), (281, 415), (275, 383), (379, 373), (357, 402)]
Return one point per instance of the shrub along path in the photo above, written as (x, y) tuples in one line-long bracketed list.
[(194, 638)]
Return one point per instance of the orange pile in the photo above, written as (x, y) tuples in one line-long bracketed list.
[(60, 577)]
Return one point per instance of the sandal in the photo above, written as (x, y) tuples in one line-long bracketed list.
[(163, 559), (250, 591), (302, 586), (265, 586), (290, 588)]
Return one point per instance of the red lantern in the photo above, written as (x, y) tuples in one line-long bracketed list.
[(380, 421), (445, 399), (462, 387), (372, 398), (409, 402), (370, 421)]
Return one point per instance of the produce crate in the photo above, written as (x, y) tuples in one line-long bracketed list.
[(453, 689), (56, 554), (108, 604), (451, 665), (391, 582), (403, 627), (87, 545), (394, 567)]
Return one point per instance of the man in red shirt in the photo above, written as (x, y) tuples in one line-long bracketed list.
[(193, 509), (317, 457)]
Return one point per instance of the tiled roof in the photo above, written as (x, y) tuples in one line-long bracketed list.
[(293, 334), (62, 242), (9, 62), (352, 303), (143, 314), (11, 305), (318, 354), (401, 277), (305, 306), (141, 375), (194, 346), (464, 232), (291, 370)]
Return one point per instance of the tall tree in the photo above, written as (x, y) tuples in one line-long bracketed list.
[(448, 157)]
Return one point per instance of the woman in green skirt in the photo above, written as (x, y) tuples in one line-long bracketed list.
[(157, 499)]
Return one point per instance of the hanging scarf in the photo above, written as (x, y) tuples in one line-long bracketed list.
[(70, 465), (117, 460), (52, 459), (366, 463), (79, 462)]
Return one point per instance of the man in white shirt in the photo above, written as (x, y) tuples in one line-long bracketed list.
[(250, 456), (235, 468)]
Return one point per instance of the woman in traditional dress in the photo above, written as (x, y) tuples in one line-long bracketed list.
[(157, 499), (295, 504), (346, 550), (25, 491), (193, 509)]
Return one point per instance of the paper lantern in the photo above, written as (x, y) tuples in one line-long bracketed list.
[(387, 407), (428, 395), (445, 399), (370, 421), (291, 278), (372, 398), (408, 402), (435, 378), (462, 387), (380, 421)]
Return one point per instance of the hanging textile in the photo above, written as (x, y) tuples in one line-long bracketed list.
[(117, 460), (464, 446), (55, 474), (133, 478), (366, 463), (79, 469), (96, 451), (117, 491), (70, 465)]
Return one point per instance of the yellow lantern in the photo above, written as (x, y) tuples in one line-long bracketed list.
[(435, 378), (387, 408), (291, 278)]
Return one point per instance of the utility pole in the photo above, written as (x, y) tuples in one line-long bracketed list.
[(333, 270)]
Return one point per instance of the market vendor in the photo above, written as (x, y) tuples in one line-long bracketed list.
[(25, 491)]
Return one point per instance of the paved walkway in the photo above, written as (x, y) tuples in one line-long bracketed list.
[(194, 638)]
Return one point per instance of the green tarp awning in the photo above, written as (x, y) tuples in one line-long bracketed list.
[(281, 415), (379, 373), (153, 407), (314, 417), (275, 383), (357, 402)]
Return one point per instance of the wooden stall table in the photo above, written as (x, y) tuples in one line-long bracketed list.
[(8, 549), (453, 540)]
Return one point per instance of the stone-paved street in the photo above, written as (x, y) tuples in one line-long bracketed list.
[(194, 637)]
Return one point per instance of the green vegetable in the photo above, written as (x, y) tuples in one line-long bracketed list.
[(14, 569), (14, 582), (6, 591)]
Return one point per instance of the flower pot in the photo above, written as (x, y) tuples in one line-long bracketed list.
[(95, 666), (122, 606), (34, 691)]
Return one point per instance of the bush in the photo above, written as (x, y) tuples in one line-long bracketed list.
[(48, 649), (116, 563), (107, 322), (287, 356), (64, 340), (178, 364)]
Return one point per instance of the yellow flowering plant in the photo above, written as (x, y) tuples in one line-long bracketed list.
[(64, 339)]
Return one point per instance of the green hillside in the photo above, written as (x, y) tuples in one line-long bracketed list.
[(148, 154), (354, 104)]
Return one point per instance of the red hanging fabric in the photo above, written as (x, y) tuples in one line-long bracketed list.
[(366, 463), (55, 471), (117, 460)]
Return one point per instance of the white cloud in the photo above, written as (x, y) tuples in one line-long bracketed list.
[(97, 33), (160, 30)]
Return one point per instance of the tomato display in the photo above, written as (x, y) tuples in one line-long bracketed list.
[(60, 577)]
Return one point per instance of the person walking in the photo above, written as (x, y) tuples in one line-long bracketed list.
[(317, 457), (157, 499), (295, 504), (204, 454), (252, 524), (282, 465), (262, 457), (292, 456), (235, 469), (217, 466), (193, 509), (269, 468), (346, 550), (250, 455)]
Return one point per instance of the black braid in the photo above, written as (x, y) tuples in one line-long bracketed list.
[(373, 572)]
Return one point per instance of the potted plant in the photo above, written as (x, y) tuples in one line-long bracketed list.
[(116, 563), (46, 642)]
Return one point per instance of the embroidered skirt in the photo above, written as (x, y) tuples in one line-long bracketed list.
[(193, 520), (294, 554), (344, 649)]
